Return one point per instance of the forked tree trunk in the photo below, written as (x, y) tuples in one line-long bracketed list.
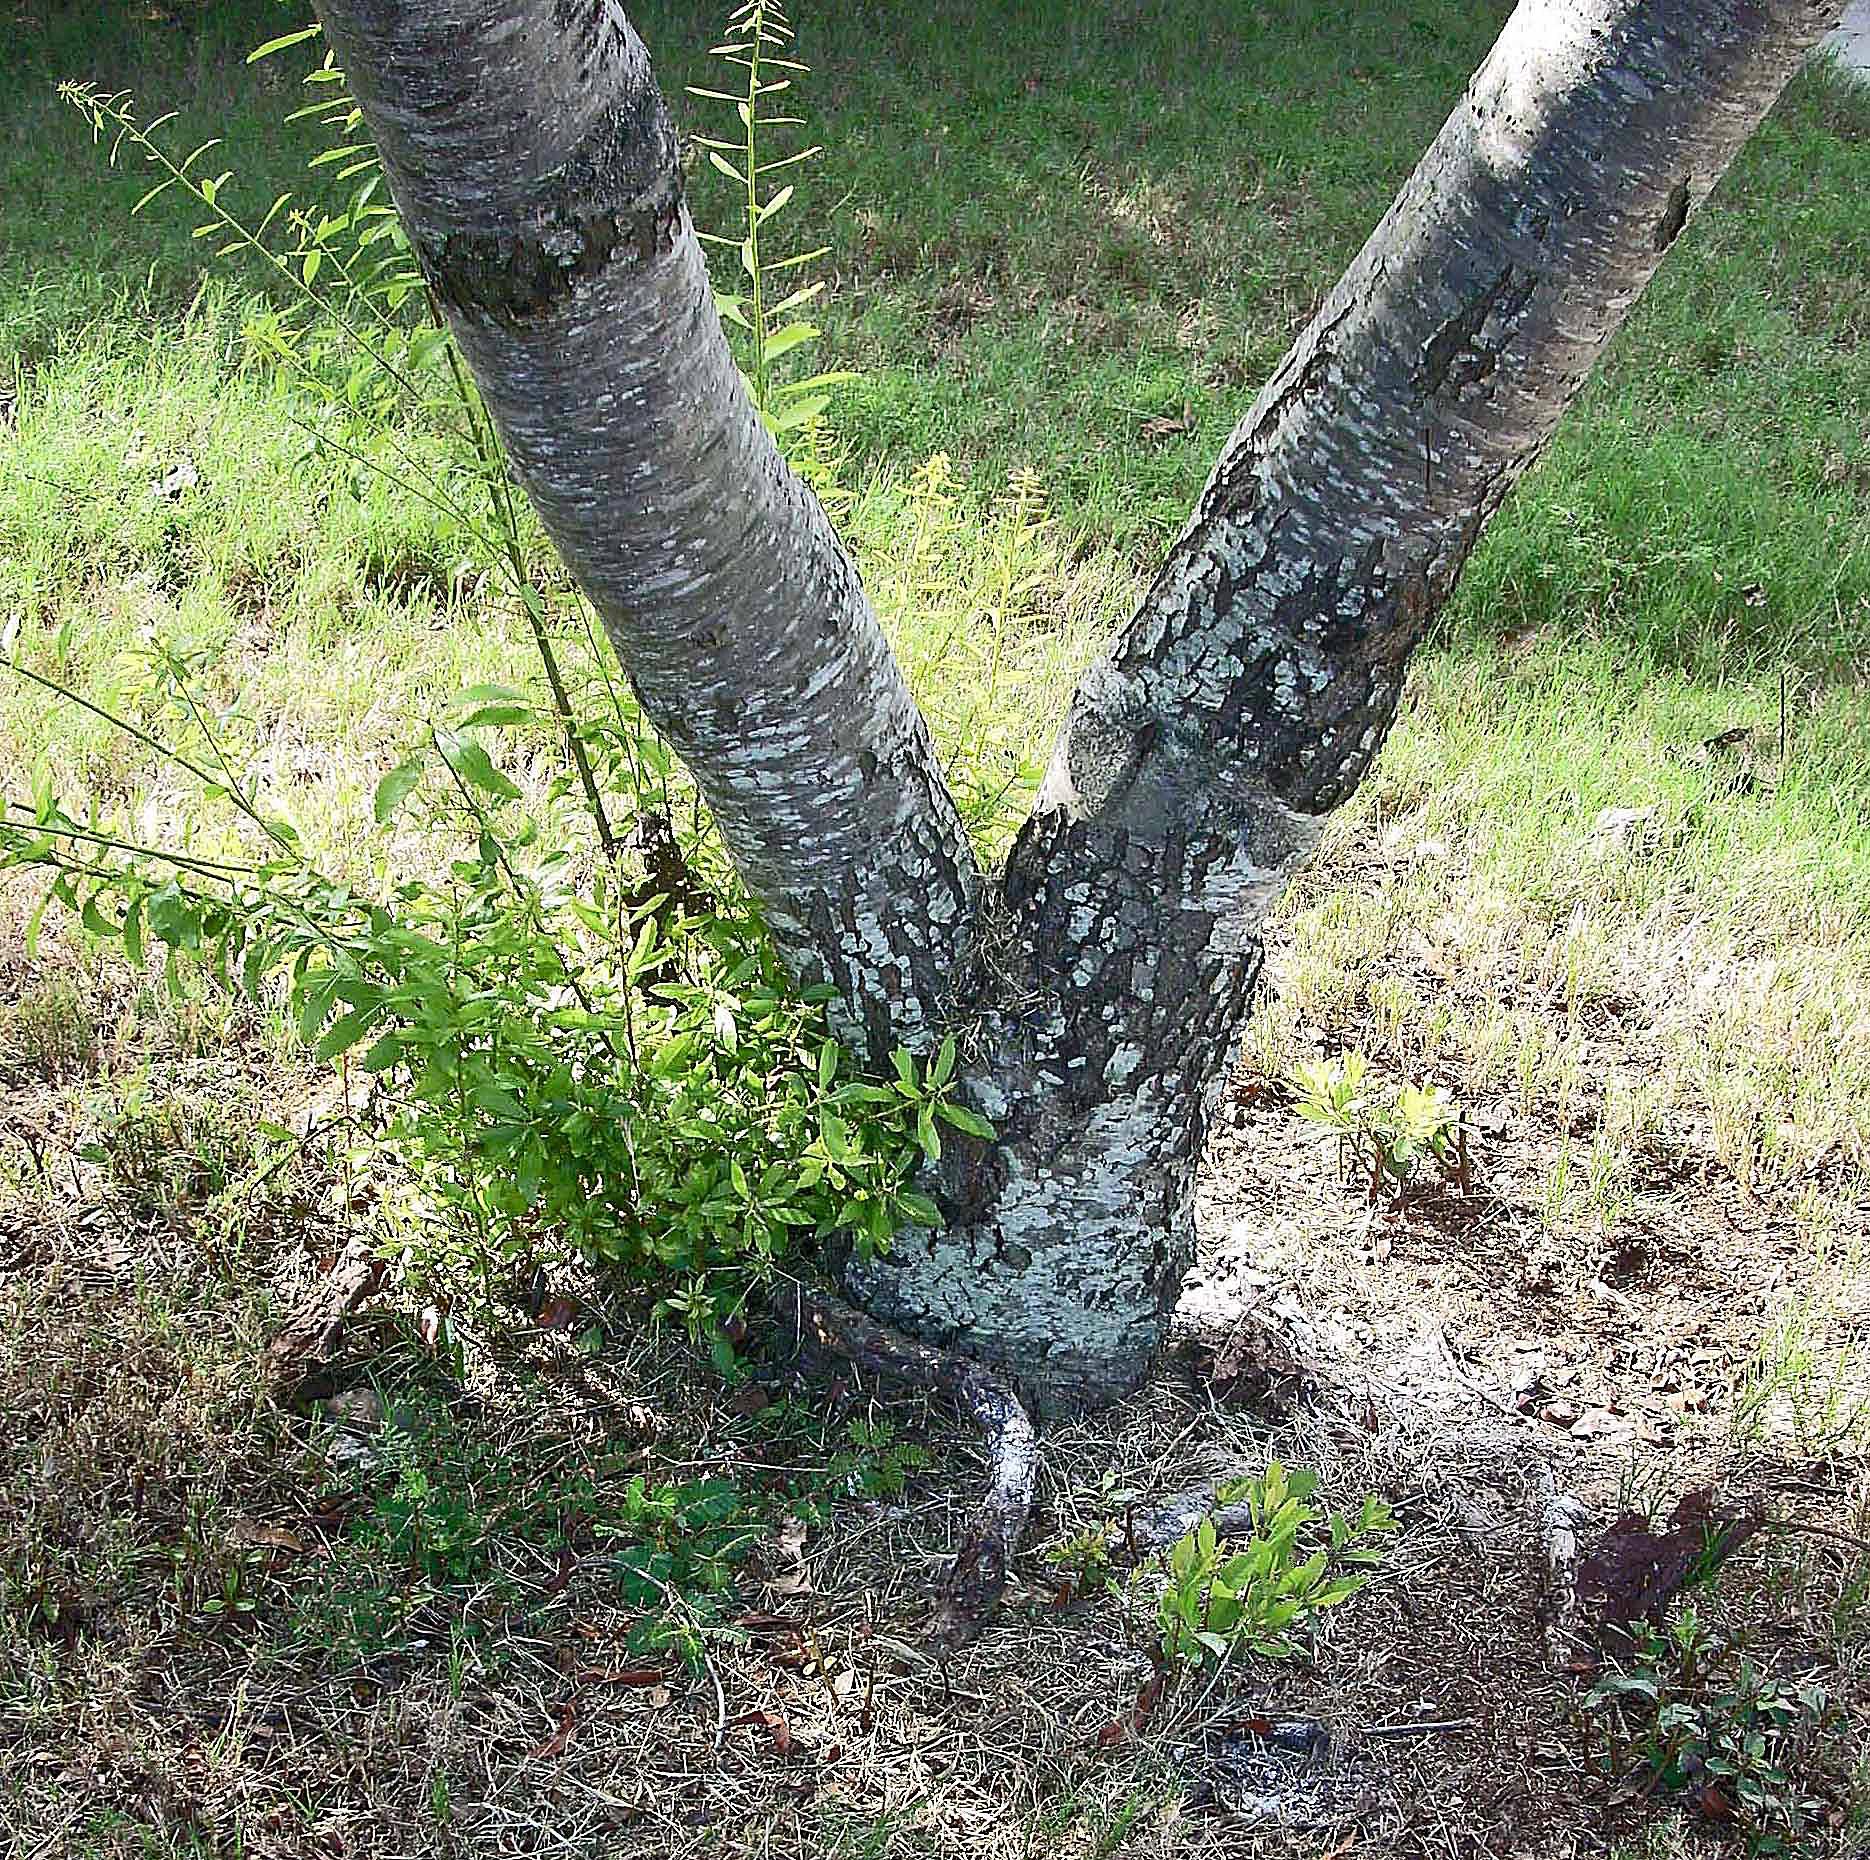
[(1100, 984)]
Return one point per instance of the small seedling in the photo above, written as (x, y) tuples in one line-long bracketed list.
[(876, 1465), (1259, 1596), (1384, 1136)]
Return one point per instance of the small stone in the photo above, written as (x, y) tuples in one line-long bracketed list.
[(1559, 1413), (357, 1410)]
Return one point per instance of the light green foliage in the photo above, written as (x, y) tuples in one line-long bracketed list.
[(553, 1060), (1259, 1596), (1691, 1713), (764, 312), (1797, 1392), (1384, 1134)]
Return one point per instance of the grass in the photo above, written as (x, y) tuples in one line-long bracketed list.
[(1066, 244)]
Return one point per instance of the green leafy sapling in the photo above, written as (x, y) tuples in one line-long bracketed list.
[(1223, 1597)]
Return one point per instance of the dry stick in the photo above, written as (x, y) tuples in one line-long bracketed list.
[(1797, 1527), (974, 1583)]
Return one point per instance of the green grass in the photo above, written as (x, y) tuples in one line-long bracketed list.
[(1066, 244)]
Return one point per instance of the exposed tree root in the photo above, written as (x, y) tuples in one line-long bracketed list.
[(975, 1581), (1562, 1518), (310, 1335)]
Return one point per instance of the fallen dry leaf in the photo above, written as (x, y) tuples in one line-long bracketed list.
[(555, 1744), (269, 1537), (620, 1675), (560, 1579), (1632, 1571), (1136, 1720), (1168, 425), (758, 1622)]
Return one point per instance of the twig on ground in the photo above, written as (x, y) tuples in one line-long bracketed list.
[(974, 1583), (1474, 1387), (1797, 1527)]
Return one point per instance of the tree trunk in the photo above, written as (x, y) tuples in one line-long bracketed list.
[(1101, 984), (1254, 686), (533, 162)]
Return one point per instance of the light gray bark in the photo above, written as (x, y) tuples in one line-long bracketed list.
[(1256, 683), (1108, 973), (533, 162)]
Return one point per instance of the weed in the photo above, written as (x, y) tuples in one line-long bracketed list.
[(758, 41), (876, 1464), (1083, 1561), (1692, 1714), (1797, 1390), (567, 1052), (682, 1545), (49, 1031), (1259, 1597), (1384, 1136)]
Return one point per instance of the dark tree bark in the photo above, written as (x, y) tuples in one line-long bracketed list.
[(1101, 982)]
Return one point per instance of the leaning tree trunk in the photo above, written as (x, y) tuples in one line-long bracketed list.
[(1102, 981), (1256, 683), (537, 173)]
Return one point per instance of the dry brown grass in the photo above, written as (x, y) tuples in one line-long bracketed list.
[(507, 1714)]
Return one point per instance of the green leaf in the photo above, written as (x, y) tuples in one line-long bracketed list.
[(784, 341), (963, 1119), (284, 42), (474, 696), (473, 764), (798, 413), (498, 716), (346, 1031), (384, 1054), (394, 789)]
